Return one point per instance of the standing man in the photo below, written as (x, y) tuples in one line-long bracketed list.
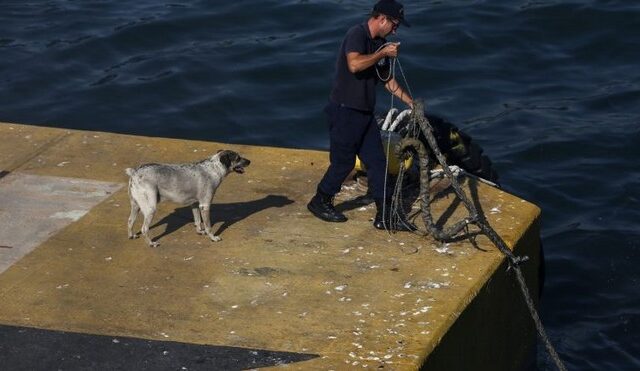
[(350, 112)]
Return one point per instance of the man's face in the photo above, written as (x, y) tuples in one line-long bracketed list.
[(392, 25)]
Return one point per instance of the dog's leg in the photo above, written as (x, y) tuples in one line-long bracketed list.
[(196, 219), (205, 210), (148, 216), (132, 217), (149, 210)]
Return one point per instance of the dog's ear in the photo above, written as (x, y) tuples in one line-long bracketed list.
[(228, 157), (219, 151)]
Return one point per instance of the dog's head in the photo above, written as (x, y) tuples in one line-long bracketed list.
[(233, 161)]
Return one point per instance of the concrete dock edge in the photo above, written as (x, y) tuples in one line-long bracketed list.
[(282, 288)]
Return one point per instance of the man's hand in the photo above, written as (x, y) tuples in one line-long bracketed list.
[(357, 62), (394, 88), (390, 50)]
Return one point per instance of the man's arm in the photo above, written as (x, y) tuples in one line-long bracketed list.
[(394, 88), (359, 62)]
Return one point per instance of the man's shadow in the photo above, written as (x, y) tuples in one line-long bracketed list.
[(228, 214), (410, 194)]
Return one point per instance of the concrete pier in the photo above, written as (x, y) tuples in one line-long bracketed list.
[(282, 288)]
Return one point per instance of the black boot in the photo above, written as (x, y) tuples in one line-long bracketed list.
[(321, 205), (383, 219)]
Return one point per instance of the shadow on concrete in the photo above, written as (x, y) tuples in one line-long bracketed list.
[(354, 203), (228, 214), (23, 348), (411, 193)]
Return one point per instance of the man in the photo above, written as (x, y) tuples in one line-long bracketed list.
[(350, 113)]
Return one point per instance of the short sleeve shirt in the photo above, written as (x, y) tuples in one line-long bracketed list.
[(357, 90)]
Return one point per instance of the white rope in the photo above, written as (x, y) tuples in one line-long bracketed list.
[(385, 126), (399, 119), (384, 188), (387, 120), (392, 62), (404, 78), (388, 126)]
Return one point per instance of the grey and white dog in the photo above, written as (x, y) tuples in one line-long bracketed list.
[(187, 184)]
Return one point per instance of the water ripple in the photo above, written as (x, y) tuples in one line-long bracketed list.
[(549, 88)]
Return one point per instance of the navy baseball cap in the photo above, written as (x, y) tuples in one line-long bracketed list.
[(392, 9)]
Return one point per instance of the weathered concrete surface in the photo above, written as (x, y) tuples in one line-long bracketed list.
[(280, 279), (35, 207)]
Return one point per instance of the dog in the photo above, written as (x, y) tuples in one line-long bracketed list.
[(187, 184)]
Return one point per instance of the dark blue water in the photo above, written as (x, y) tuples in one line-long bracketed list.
[(550, 89)]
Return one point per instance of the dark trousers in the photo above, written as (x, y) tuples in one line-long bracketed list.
[(351, 133)]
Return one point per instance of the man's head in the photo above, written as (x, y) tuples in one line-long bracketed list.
[(393, 11)]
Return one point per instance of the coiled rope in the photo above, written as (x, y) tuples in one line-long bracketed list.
[(419, 123), (394, 215), (474, 217)]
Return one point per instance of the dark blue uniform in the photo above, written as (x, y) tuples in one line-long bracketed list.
[(350, 114)]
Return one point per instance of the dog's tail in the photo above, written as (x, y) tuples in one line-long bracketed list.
[(130, 173)]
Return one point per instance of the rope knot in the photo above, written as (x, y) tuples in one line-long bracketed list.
[(516, 261)]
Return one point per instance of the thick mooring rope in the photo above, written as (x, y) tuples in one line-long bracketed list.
[(418, 118), (421, 123)]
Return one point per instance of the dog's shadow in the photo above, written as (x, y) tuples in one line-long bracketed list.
[(228, 214)]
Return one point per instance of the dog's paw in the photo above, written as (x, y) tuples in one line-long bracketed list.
[(134, 236), (154, 244), (215, 238)]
